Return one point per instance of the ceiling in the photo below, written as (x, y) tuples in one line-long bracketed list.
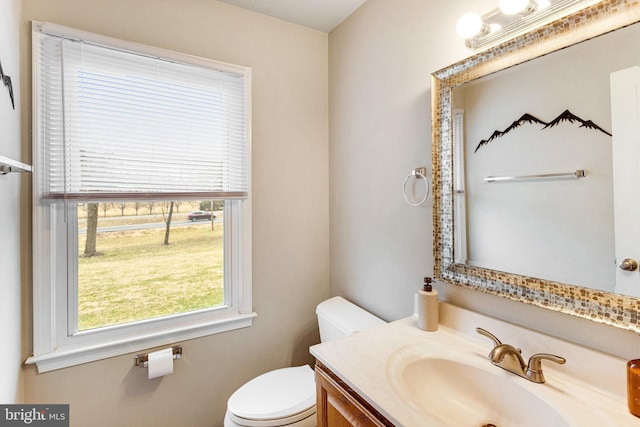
[(322, 15)]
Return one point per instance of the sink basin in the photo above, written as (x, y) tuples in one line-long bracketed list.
[(463, 394), (415, 378)]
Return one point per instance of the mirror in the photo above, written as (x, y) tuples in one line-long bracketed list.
[(547, 237), (525, 128)]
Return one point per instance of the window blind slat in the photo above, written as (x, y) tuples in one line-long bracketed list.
[(126, 126)]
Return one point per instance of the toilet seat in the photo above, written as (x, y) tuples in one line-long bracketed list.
[(304, 419), (277, 398)]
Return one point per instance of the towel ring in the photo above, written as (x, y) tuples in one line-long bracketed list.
[(418, 173)]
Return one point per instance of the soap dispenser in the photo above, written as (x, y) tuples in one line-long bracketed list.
[(633, 386), (428, 307)]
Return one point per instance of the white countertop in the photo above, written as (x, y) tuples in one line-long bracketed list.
[(591, 384)]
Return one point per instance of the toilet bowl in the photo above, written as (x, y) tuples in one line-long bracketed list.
[(287, 397), (282, 397)]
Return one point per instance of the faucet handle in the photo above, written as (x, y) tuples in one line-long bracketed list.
[(534, 368), (496, 341)]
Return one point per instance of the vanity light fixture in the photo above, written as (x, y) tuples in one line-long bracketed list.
[(512, 18)]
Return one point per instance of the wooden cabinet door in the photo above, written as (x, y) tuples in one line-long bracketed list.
[(339, 406)]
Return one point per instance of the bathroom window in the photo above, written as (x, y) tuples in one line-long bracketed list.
[(142, 226), (459, 192)]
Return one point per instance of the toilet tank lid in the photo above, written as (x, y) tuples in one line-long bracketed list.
[(346, 316), (275, 394)]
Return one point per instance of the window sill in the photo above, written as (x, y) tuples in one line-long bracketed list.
[(71, 355)]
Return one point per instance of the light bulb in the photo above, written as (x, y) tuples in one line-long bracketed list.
[(469, 25), (542, 4), (512, 7)]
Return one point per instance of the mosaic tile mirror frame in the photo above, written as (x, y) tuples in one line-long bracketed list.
[(604, 307)]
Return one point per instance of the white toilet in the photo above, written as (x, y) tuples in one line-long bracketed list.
[(288, 396)]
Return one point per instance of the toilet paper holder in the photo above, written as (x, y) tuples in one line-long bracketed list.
[(142, 360)]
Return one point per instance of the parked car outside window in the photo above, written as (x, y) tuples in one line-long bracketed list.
[(196, 215)]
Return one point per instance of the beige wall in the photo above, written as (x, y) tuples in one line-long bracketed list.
[(290, 211), (380, 61), (10, 218)]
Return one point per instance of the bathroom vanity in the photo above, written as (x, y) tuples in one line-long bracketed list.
[(399, 375)]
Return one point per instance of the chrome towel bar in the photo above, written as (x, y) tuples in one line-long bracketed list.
[(9, 165), (580, 173)]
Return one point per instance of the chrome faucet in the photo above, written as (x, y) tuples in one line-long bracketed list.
[(510, 358)]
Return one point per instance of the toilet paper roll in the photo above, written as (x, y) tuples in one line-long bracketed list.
[(160, 363)]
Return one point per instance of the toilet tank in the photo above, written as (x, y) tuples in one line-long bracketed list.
[(338, 318)]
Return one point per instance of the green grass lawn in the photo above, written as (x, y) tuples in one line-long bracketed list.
[(137, 277)]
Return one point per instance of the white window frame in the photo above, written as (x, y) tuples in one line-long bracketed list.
[(56, 343)]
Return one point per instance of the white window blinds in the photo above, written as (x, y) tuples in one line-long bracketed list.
[(115, 124)]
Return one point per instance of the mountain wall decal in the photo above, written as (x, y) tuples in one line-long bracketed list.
[(565, 116), (7, 83)]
